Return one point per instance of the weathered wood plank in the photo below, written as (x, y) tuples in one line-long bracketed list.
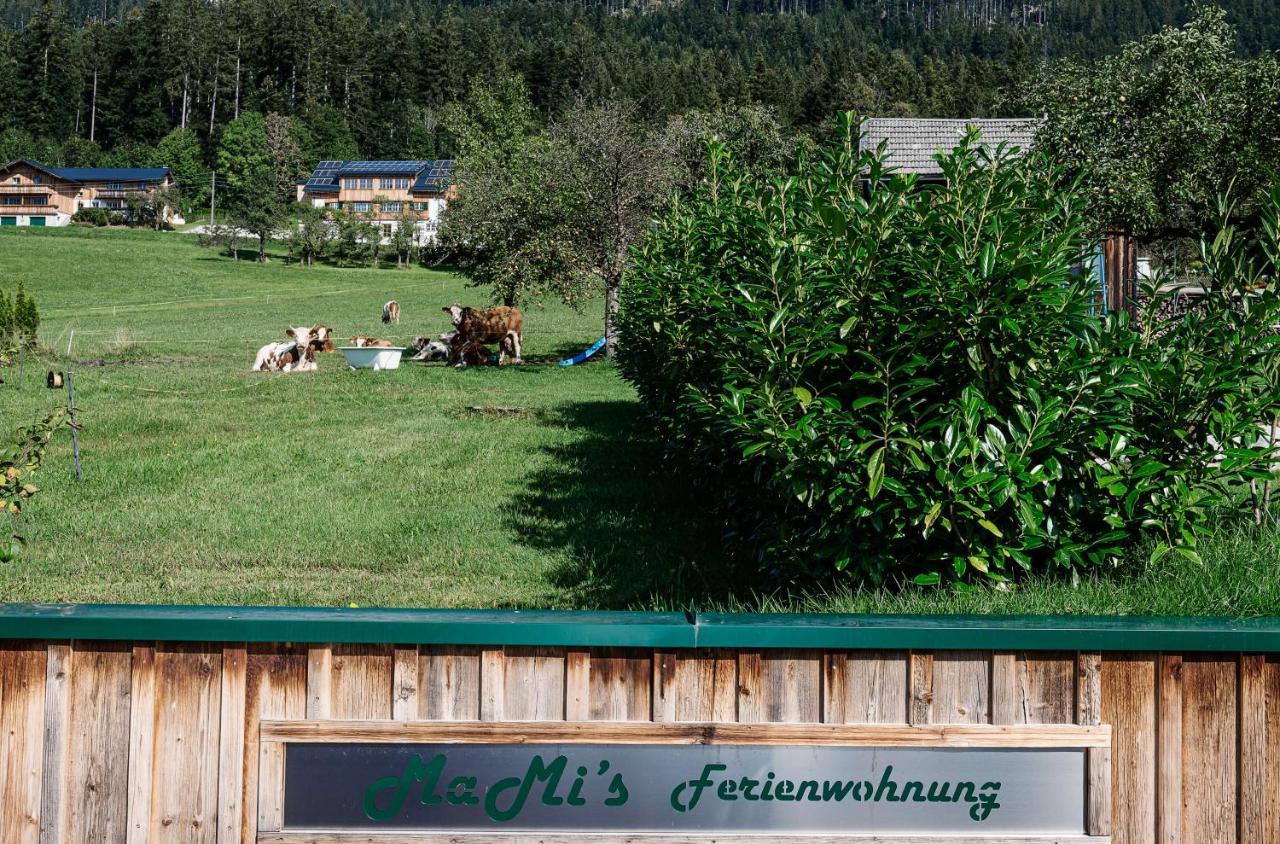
[(1252, 715), (1046, 684), (449, 676), (231, 721), (866, 687), (1098, 785), (619, 685), (22, 677), (961, 687), (920, 681), (57, 735), (275, 688), (1005, 708), (780, 685), (695, 685), (1271, 674), (533, 684), (187, 711), (361, 681), (142, 707), (1169, 749), (493, 690), (405, 684), (1127, 701), (644, 732), (97, 785), (1209, 756), (577, 684), (320, 681), (270, 786)]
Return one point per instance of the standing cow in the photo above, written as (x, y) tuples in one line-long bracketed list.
[(391, 312), (501, 325)]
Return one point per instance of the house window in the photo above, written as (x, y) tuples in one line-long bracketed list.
[(421, 206), (359, 184), (360, 207), (392, 207), (12, 200), (116, 186), (37, 179), (37, 200), (17, 180), (386, 230), (394, 184)]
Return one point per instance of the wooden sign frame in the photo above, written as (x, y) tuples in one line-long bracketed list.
[(1094, 739)]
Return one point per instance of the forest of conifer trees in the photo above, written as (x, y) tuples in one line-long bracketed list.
[(134, 82)]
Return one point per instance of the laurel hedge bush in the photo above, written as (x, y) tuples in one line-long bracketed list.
[(895, 379)]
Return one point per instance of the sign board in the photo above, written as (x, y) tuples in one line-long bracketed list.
[(686, 779)]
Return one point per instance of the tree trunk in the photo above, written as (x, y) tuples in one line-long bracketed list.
[(612, 288), (262, 248)]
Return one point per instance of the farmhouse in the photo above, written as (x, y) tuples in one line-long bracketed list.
[(32, 194), (912, 143), (384, 190)]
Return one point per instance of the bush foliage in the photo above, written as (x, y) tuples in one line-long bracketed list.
[(912, 380)]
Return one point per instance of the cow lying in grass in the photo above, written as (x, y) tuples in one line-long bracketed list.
[(429, 349), (501, 325), (298, 354)]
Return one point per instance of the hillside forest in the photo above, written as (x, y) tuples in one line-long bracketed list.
[(137, 82)]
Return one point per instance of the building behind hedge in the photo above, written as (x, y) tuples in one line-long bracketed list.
[(32, 194)]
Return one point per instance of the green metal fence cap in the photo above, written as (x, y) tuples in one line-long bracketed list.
[(635, 629), (387, 626), (947, 632)]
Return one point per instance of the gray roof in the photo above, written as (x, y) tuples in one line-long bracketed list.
[(912, 142)]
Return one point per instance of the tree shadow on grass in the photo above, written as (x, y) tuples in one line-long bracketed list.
[(633, 530)]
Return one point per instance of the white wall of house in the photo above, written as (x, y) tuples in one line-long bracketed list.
[(51, 219)]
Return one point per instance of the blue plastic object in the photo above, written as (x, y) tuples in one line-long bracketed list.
[(583, 355)]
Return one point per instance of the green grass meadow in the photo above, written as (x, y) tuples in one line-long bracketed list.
[(206, 483)]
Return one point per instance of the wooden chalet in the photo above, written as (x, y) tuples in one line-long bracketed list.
[(32, 194)]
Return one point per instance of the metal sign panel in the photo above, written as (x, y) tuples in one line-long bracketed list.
[(684, 788)]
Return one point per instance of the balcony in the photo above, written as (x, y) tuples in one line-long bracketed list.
[(26, 207), (120, 193)]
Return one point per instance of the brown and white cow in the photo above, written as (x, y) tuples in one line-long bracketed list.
[(323, 341), (297, 354), (391, 312), (502, 325)]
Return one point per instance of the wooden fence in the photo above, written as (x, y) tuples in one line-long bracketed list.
[(140, 740)]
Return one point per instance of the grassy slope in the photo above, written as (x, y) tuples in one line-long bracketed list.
[(208, 484)]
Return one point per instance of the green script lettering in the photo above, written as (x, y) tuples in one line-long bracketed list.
[(414, 771), (538, 771)]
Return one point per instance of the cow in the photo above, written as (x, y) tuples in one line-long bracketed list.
[(323, 341), (391, 312), (502, 325), (428, 349), (464, 352), (360, 341), (297, 354)]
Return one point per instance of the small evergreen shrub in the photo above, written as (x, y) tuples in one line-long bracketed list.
[(895, 379), (19, 319)]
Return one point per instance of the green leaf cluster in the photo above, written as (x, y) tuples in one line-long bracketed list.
[(17, 464), (895, 379)]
